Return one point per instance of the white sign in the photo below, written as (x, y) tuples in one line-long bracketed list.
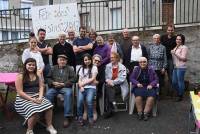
[(55, 19)]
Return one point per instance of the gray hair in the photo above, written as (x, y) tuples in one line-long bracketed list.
[(97, 55), (156, 35)]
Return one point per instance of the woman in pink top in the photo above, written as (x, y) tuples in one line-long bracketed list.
[(179, 55)]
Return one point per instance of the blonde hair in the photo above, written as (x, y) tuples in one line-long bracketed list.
[(117, 56)]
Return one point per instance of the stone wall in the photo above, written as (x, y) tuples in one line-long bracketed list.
[(10, 55)]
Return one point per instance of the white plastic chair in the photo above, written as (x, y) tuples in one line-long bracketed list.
[(132, 102)]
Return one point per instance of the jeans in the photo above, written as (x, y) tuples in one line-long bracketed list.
[(87, 94), (161, 78), (178, 80), (170, 68), (67, 92), (46, 70)]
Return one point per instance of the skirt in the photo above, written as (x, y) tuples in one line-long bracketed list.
[(27, 108), (144, 92)]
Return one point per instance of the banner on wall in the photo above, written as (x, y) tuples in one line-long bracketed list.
[(55, 19)]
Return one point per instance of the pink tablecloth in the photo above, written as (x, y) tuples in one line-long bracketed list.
[(8, 78)]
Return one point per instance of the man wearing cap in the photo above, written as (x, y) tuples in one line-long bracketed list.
[(60, 80), (62, 47)]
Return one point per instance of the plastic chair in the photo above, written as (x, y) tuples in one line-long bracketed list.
[(132, 102)]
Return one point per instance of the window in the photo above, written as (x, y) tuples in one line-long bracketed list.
[(26, 13), (14, 35), (84, 20), (4, 6), (5, 35), (116, 18)]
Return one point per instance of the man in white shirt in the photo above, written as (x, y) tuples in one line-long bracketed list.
[(135, 52)]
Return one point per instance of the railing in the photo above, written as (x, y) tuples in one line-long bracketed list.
[(15, 24), (109, 15)]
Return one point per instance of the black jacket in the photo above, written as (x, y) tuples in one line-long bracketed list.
[(65, 49), (127, 59)]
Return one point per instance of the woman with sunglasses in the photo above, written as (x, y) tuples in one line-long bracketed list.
[(144, 82), (87, 88)]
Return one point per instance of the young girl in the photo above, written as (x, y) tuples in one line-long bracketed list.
[(87, 88), (30, 101)]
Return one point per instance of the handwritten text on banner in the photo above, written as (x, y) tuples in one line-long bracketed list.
[(55, 19)]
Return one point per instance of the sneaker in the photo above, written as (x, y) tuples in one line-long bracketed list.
[(146, 117), (29, 131), (140, 116), (61, 97), (51, 130), (66, 123), (91, 122), (80, 121)]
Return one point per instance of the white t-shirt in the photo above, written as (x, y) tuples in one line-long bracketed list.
[(136, 53), (36, 55), (85, 76)]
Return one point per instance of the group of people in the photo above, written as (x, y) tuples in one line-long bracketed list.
[(95, 64)]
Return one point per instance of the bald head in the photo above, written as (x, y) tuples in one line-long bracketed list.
[(135, 41), (125, 33)]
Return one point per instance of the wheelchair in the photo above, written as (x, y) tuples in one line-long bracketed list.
[(121, 103)]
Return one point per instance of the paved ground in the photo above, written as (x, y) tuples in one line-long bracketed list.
[(172, 119)]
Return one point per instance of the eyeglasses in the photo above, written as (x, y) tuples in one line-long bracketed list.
[(97, 60), (142, 61)]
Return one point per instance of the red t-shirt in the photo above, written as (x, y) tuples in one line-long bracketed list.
[(114, 73)]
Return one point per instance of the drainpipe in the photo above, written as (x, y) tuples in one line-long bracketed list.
[(50, 2)]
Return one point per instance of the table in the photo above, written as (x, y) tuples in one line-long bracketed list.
[(7, 79), (195, 111)]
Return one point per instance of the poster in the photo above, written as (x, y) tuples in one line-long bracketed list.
[(55, 19)]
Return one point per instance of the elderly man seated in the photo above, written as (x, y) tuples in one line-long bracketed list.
[(60, 80), (144, 81), (116, 83)]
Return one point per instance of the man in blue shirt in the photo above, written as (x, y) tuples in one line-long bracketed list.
[(81, 45)]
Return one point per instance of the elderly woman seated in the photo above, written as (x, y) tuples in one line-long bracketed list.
[(144, 81), (116, 83)]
